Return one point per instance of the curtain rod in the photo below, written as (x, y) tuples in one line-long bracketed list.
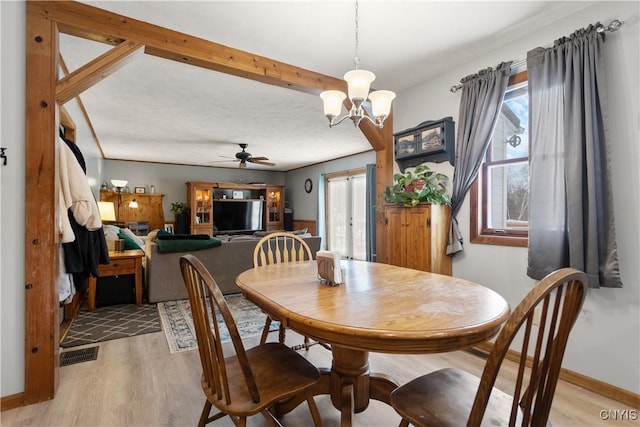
[(613, 26)]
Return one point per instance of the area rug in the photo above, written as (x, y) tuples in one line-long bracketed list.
[(177, 322), (110, 323)]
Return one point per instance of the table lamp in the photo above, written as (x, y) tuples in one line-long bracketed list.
[(107, 212)]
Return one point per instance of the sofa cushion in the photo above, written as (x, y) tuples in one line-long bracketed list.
[(169, 236)]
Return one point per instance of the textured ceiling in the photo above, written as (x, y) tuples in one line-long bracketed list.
[(162, 111)]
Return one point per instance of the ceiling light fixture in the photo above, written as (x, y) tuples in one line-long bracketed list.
[(358, 83)]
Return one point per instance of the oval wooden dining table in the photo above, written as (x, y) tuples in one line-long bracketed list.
[(378, 308)]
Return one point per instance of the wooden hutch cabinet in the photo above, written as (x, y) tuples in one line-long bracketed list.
[(206, 198), (200, 199), (416, 237), (149, 208), (275, 207)]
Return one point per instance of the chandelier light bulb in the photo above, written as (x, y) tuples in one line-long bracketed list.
[(381, 102), (359, 82), (332, 100)]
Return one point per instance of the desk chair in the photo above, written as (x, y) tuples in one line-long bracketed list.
[(250, 381), (276, 248), (453, 397)]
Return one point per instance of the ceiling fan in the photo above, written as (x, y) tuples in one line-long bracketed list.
[(243, 157)]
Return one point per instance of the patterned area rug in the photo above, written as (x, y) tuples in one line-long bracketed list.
[(177, 322), (110, 323)]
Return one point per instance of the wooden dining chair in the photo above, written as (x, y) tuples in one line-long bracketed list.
[(250, 381), (454, 397), (277, 248)]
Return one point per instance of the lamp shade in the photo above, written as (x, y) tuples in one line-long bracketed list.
[(119, 183), (133, 204), (381, 102), (332, 100), (107, 211), (359, 82)]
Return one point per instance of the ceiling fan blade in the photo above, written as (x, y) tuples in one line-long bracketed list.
[(262, 162), (259, 158), (223, 161)]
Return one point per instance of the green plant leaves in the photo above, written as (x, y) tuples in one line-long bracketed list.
[(421, 185)]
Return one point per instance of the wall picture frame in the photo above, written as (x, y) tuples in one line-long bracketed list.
[(139, 190)]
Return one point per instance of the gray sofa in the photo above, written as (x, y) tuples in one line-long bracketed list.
[(163, 278)]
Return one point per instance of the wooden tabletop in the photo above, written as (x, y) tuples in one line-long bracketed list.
[(380, 308)]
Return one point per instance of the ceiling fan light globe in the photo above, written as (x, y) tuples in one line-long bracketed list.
[(359, 82)]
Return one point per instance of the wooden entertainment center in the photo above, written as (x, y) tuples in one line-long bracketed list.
[(204, 197)]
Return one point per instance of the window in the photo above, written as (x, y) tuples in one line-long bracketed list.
[(346, 214), (500, 195)]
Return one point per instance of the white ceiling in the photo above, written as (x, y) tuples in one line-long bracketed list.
[(162, 111)]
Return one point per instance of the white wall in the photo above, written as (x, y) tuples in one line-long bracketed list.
[(170, 179), (305, 205), (12, 184), (605, 344)]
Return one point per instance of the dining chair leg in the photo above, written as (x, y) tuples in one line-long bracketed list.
[(205, 414), (265, 331), (315, 414), (404, 423), (271, 418), (281, 333), (346, 405)]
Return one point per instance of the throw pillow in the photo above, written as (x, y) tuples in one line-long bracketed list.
[(133, 236), (129, 243)]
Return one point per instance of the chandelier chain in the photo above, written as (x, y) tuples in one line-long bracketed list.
[(356, 60)]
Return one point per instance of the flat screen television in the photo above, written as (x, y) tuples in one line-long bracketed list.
[(237, 216)]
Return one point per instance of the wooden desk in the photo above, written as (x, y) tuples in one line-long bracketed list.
[(127, 262), (381, 308)]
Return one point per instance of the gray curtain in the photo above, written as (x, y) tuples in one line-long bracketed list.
[(571, 220), (370, 223), (482, 96)]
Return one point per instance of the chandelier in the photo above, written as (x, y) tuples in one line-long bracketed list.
[(358, 83)]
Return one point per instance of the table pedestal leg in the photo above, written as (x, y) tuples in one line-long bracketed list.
[(349, 383)]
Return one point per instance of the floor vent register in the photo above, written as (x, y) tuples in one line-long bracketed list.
[(77, 356)]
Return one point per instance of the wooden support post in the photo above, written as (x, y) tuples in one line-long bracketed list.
[(41, 245)]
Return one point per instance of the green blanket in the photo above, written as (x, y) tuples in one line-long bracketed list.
[(186, 245)]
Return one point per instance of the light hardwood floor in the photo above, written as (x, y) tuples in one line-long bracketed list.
[(136, 382)]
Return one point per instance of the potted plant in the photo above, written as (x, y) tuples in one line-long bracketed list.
[(420, 185), (181, 211)]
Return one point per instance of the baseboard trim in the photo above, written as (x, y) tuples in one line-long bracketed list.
[(11, 402), (596, 386)]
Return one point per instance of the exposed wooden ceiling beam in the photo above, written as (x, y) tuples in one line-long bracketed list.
[(95, 71), (100, 25), (96, 24)]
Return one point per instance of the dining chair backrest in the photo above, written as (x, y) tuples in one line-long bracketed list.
[(205, 296), (280, 247), (548, 313)]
